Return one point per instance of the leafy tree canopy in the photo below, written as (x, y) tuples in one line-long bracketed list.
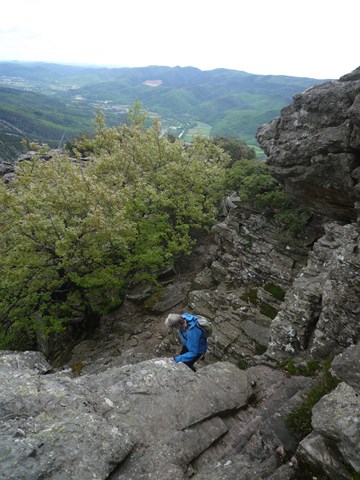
[(74, 233), (236, 148), (257, 188)]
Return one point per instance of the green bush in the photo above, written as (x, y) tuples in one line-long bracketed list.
[(74, 234), (289, 366), (309, 370), (291, 221), (236, 148), (257, 188), (254, 184)]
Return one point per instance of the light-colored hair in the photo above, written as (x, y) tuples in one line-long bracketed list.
[(174, 321)]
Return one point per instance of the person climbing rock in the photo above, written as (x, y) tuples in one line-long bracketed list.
[(192, 337)]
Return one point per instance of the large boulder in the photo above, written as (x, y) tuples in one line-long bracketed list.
[(258, 443), (333, 446), (337, 418), (323, 457), (153, 419), (336, 437), (346, 366), (313, 147)]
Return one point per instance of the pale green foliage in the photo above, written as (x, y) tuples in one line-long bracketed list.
[(64, 240), (255, 185), (74, 233)]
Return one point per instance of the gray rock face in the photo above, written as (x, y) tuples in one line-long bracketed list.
[(321, 311), (258, 444), (354, 75), (53, 427), (322, 455), (27, 360), (243, 288), (334, 443), (154, 419), (346, 366), (59, 427), (313, 148), (337, 418), (319, 314), (336, 436)]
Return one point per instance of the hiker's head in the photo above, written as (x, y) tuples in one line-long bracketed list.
[(174, 321)]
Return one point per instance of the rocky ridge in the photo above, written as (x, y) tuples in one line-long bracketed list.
[(271, 298)]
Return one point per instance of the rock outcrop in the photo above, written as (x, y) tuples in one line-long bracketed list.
[(333, 446), (265, 290), (243, 288), (321, 312), (314, 147), (155, 419), (61, 427)]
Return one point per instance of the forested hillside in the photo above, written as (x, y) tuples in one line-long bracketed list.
[(37, 117), (52, 103)]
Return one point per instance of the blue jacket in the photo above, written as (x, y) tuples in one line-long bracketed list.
[(193, 338)]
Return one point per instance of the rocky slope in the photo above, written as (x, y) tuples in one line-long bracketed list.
[(154, 418), (266, 289), (121, 410), (299, 298)]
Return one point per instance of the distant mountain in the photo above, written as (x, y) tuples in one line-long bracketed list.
[(52, 103)]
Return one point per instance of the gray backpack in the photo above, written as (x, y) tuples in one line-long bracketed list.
[(205, 325)]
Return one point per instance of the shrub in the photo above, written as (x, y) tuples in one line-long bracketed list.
[(236, 148), (74, 234), (309, 370), (291, 221), (254, 184), (256, 187)]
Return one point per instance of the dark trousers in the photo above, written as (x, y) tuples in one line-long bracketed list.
[(191, 363)]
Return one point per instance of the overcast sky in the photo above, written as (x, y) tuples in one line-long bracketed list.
[(307, 38)]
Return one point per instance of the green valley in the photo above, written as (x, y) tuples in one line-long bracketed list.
[(53, 103)]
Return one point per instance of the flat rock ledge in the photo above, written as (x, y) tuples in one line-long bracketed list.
[(127, 422)]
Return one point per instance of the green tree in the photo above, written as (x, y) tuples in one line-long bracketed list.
[(236, 148), (64, 241), (256, 187), (74, 233)]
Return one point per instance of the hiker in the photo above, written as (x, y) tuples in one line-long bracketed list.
[(192, 336)]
